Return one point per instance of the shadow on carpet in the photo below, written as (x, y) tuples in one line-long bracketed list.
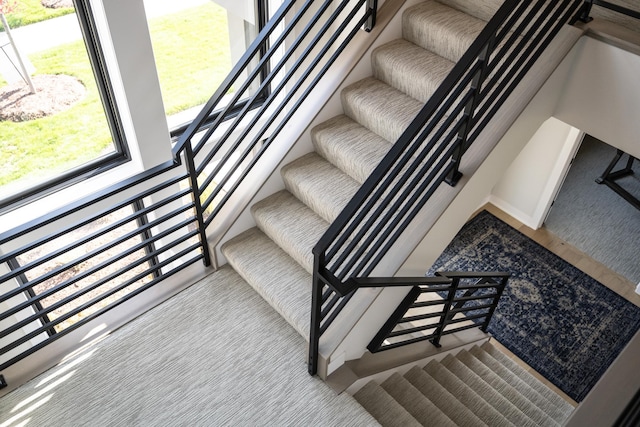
[(560, 321)]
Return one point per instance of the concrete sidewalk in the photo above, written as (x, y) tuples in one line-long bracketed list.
[(54, 32), (65, 29)]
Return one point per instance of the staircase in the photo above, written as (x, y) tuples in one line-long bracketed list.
[(475, 388), (276, 259)]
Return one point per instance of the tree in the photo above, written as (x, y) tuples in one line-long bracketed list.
[(6, 6)]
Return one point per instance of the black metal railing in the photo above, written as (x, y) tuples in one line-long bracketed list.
[(68, 267), (437, 306), (287, 73), (429, 152), (59, 280)]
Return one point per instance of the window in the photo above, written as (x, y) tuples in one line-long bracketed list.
[(195, 44), (69, 128)]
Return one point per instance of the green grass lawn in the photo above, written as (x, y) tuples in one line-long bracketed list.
[(30, 11), (192, 55)]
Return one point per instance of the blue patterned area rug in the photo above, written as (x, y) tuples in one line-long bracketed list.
[(560, 321)]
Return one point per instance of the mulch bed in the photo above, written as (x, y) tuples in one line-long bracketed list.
[(56, 4), (54, 93)]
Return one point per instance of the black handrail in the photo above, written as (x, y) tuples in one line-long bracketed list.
[(429, 152)]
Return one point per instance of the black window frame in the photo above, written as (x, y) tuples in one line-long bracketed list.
[(107, 95)]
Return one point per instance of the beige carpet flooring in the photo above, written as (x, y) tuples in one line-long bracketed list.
[(216, 354)]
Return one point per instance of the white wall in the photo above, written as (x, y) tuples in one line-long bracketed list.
[(600, 96), (531, 183)]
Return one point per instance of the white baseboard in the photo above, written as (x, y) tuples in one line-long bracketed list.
[(514, 212)]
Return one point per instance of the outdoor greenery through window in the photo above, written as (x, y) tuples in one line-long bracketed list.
[(195, 44), (52, 118)]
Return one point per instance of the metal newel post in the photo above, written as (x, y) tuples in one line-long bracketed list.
[(496, 300), (195, 191), (316, 314), (372, 9), (586, 11), (444, 318)]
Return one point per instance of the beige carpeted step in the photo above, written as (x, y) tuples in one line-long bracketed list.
[(467, 396), (291, 225), (522, 373), (379, 107), (502, 403), (281, 281), (484, 9), (319, 185), (517, 396), (349, 146), (557, 413), (421, 408), (440, 397), (402, 64), (440, 29), (523, 388), (383, 407)]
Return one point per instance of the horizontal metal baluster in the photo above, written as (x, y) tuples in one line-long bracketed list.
[(39, 242), (89, 201), (93, 270), (401, 332), (93, 253), (89, 288), (326, 322), (97, 314), (410, 210), (83, 307), (515, 76), (421, 316), (326, 308), (112, 227), (426, 173)]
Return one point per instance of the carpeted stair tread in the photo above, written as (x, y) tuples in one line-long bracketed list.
[(502, 403), (518, 397), (410, 68), (440, 29), (524, 375), (349, 146), (541, 400), (379, 107), (383, 407), (421, 408), (466, 395), (280, 280), (484, 9), (319, 185), (440, 397), (291, 225)]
